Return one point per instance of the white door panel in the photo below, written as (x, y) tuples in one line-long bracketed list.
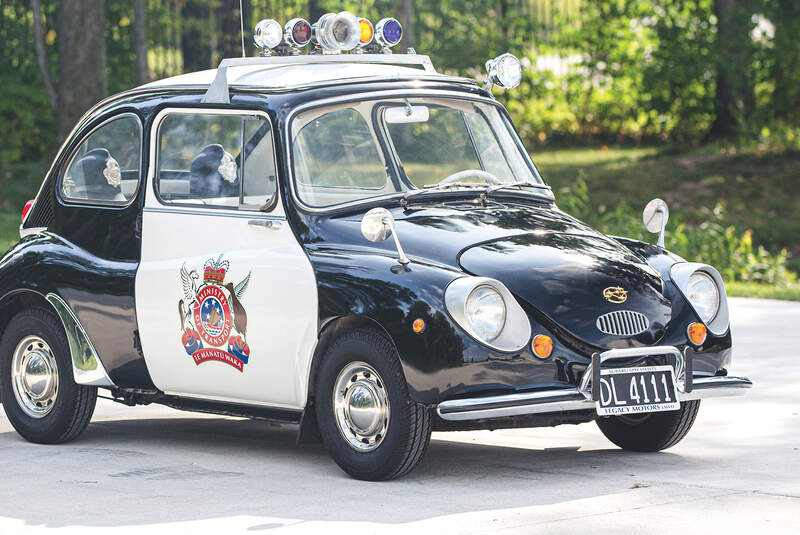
[(279, 303)]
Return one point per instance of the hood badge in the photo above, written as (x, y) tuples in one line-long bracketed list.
[(615, 294)]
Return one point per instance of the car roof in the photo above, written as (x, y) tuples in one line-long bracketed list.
[(294, 72)]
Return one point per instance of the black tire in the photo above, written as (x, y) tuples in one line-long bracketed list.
[(650, 432), (409, 429), (73, 405)]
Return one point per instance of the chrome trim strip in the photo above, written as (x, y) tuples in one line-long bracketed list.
[(570, 399), (86, 366), (216, 213), (219, 93), (28, 231)]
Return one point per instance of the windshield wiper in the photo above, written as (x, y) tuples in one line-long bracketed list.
[(508, 185), (439, 187)]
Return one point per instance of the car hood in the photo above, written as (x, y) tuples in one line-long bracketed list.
[(552, 262)]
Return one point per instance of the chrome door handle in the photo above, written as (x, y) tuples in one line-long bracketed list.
[(265, 223)]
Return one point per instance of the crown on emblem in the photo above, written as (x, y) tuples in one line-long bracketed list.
[(214, 270)]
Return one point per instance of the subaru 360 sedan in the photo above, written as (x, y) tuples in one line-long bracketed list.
[(350, 242)]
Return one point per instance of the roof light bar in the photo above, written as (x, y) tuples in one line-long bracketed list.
[(388, 32)]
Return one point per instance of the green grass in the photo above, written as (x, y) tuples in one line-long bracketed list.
[(760, 190), (764, 291), (9, 231)]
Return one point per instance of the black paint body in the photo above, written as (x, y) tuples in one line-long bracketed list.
[(555, 265)]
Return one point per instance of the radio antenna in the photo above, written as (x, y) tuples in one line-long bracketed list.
[(241, 25)]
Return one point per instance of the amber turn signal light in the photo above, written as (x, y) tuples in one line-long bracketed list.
[(697, 333), (542, 346), (418, 326)]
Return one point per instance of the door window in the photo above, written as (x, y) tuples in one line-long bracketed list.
[(218, 160), (105, 167)]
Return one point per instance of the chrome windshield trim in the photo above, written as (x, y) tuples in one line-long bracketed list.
[(374, 95)]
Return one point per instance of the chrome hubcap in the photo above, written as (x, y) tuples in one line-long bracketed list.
[(34, 375), (361, 406)]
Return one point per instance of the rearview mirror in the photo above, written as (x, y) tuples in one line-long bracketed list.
[(655, 217), (406, 114)]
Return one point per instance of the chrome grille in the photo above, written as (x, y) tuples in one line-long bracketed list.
[(623, 323)]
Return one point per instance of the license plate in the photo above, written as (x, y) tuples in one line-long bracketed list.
[(637, 390)]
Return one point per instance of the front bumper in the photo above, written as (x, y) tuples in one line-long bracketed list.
[(582, 398)]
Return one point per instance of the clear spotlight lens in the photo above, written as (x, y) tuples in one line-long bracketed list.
[(388, 32), (268, 34), (486, 312), (297, 32), (505, 70), (337, 32), (703, 293)]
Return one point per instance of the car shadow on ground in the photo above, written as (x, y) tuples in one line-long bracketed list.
[(188, 469)]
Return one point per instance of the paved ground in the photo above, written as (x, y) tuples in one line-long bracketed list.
[(153, 469)]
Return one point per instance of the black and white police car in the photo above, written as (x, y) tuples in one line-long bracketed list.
[(353, 243)]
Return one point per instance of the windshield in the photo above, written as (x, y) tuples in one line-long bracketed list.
[(374, 148)]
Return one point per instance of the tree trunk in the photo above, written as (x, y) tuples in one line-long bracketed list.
[(314, 11), (735, 95), (229, 27), (786, 60), (195, 41), (41, 53), (140, 40), (81, 60), (407, 20)]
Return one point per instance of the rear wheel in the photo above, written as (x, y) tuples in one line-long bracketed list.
[(370, 426), (653, 431), (39, 395)]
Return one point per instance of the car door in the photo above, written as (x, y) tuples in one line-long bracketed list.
[(225, 296)]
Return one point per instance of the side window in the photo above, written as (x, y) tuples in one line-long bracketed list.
[(216, 160), (105, 167)]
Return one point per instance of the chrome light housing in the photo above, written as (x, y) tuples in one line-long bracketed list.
[(703, 288), (297, 32), (488, 312), (505, 71), (267, 34)]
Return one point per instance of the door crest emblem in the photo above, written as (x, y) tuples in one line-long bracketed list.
[(213, 319), (615, 294)]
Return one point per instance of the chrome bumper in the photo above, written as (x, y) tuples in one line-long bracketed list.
[(581, 398)]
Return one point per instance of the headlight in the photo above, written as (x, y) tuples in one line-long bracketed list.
[(486, 312), (703, 293)]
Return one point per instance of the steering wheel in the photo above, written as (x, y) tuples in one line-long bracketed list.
[(471, 173)]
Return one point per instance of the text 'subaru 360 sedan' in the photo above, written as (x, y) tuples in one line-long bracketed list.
[(353, 243)]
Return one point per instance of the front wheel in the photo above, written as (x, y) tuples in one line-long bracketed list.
[(39, 395), (653, 431), (369, 425)]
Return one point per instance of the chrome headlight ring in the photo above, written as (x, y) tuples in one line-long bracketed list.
[(473, 303), (710, 303)]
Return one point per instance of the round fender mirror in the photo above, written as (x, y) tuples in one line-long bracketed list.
[(655, 215), (377, 224)]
